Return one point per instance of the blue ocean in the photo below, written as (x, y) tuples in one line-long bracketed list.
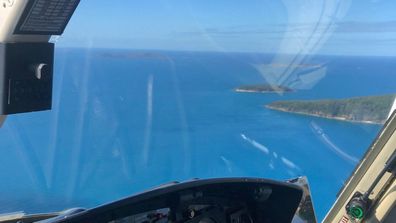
[(126, 121)]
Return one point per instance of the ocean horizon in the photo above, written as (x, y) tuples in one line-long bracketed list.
[(124, 121)]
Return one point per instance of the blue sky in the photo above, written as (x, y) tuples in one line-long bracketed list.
[(357, 27)]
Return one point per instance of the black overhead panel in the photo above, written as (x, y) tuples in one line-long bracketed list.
[(46, 17)]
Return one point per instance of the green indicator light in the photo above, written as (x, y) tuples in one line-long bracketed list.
[(358, 206), (356, 212)]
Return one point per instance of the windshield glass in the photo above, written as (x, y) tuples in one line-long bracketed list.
[(147, 93)]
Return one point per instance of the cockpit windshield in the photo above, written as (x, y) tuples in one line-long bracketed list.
[(147, 93)]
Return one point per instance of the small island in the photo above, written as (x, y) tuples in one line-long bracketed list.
[(263, 88), (369, 109), (133, 55)]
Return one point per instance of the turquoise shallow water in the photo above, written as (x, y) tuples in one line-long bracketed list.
[(123, 122)]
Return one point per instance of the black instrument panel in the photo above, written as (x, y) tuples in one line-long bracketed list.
[(233, 200)]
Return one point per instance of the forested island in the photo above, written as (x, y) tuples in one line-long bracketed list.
[(369, 109), (135, 55), (263, 88)]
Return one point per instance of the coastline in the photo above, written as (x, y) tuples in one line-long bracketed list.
[(338, 118)]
